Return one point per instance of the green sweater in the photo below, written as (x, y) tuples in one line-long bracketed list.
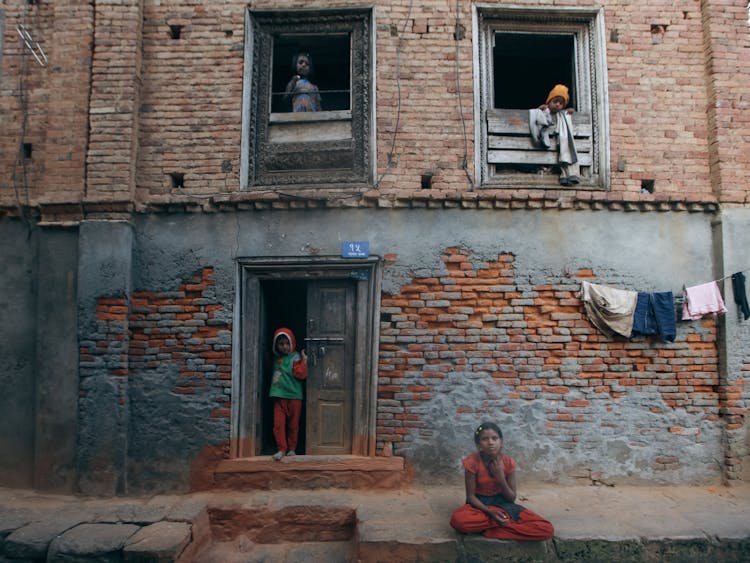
[(284, 385)]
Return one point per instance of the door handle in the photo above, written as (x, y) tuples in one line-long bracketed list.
[(312, 355)]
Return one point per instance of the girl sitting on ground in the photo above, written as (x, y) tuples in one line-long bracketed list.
[(490, 507)]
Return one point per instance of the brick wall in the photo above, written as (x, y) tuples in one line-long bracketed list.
[(174, 330), (169, 360), (526, 344), (158, 106), (55, 99)]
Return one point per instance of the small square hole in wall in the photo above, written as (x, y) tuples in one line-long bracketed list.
[(27, 150), (426, 181), (648, 186), (178, 180), (175, 31)]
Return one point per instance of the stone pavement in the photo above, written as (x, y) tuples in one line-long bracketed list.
[(592, 523)]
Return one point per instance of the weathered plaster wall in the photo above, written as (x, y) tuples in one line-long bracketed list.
[(17, 346), (104, 272), (56, 359), (620, 435), (38, 356), (735, 234), (155, 300)]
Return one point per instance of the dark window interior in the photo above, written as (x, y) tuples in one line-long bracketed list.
[(527, 65), (331, 68), (285, 306)]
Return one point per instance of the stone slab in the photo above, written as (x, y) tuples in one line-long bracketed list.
[(161, 542), (99, 542), (12, 519), (33, 540)]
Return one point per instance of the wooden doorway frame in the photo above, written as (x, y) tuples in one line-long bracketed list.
[(247, 356)]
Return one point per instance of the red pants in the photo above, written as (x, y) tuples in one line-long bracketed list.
[(286, 413), (530, 526)]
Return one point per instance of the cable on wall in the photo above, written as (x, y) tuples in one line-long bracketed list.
[(20, 171), (399, 47), (457, 36)]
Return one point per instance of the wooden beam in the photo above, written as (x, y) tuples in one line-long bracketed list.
[(531, 157)]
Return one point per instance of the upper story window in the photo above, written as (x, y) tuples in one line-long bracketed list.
[(307, 101), (523, 54), (312, 72)]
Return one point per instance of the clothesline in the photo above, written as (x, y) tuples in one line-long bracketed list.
[(730, 275)]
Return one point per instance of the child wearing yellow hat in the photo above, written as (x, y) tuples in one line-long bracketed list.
[(557, 106)]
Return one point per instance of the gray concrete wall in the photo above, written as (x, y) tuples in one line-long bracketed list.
[(105, 250), (56, 374), (735, 236), (17, 334)]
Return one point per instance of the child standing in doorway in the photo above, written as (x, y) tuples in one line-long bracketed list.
[(304, 94), (289, 371), (490, 478), (557, 106)]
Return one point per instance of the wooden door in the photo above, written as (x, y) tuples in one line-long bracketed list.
[(330, 381)]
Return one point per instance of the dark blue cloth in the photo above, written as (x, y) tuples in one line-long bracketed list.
[(499, 501), (738, 287), (654, 314)]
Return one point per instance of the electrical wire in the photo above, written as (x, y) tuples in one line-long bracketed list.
[(457, 37), (399, 47), (21, 160)]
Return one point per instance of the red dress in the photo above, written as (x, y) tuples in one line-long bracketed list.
[(523, 524)]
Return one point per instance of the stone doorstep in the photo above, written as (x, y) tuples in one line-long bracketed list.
[(310, 463), (312, 472)]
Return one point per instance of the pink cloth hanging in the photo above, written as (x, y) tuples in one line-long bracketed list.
[(700, 300)]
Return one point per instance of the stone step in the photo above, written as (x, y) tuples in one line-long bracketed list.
[(311, 472), (242, 550), (297, 523)]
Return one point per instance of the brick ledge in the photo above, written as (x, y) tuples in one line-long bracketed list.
[(61, 213)]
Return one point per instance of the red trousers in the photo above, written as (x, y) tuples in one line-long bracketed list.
[(286, 413), (530, 526)]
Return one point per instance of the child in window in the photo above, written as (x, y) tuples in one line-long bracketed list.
[(303, 93), (289, 371), (559, 112)]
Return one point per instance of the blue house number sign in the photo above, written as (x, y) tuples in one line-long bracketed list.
[(355, 249)]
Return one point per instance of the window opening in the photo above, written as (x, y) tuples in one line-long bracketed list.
[(527, 65), (178, 179), (523, 54), (331, 69)]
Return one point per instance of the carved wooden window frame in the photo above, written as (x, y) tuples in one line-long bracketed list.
[(310, 161), (590, 67)]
